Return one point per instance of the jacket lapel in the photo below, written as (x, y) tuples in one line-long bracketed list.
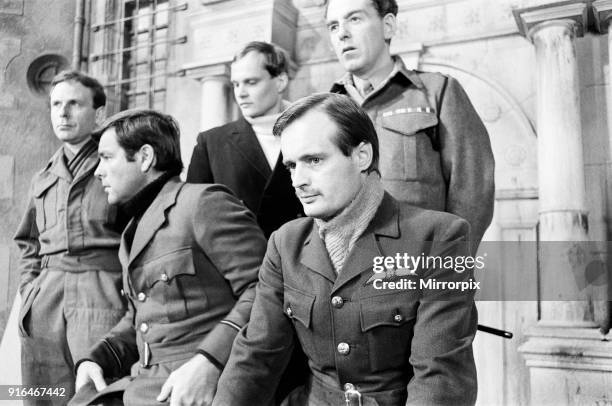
[(123, 250), (314, 256), (244, 139), (360, 259), (154, 217)]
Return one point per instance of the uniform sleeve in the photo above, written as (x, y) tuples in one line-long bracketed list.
[(467, 160), (199, 167), (26, 238), (441, 349), (229, 235), (117, 351), (262, 350)]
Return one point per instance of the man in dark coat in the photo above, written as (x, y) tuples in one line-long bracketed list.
[(376, 331), (190, 257), (244, 155)]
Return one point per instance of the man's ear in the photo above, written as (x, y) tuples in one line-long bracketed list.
[(389, 26), (147, 157), (100, 114), (363, 153), (282, 80)]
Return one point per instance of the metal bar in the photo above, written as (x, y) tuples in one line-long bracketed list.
[(97, 27), (133, 79), (95, 57)]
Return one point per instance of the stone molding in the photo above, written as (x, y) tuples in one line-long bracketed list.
[(602, 10), (204, 72), (530, 19)]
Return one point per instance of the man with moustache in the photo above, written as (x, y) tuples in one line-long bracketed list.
[(365, 346), (244, 155), (190, 256), (68, 238), (434, 150)]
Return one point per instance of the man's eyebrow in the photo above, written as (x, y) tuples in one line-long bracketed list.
[(346, 16)]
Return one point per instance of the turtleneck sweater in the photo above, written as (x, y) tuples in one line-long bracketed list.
[(342, 231), (262, 127)]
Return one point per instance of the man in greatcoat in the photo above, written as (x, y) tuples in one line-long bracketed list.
[(373, 334), (190, 257), (68, 239)]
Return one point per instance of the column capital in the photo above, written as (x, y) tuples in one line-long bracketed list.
[(602, 10), (530, 19), (205, 72)]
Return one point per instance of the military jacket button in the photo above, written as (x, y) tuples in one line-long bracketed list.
[(122, 292), (144, 327), (142, 296), (289, 311), (337, 302), (164, 277), (344, 348), (398, 318)]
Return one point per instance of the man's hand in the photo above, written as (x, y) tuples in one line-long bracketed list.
[(194, 383), (90, 371)]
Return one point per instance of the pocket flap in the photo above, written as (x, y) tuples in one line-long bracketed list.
[(409, 120), (42, 184), (298, 305), (386, 310), (168, 266)]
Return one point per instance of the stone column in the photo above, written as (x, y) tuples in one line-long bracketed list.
[(216, 97), (562, 212), (564, 351)]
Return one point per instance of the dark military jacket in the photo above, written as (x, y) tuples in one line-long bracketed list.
[(379, 340)]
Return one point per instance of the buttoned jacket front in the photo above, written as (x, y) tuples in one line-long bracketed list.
[(377, 339), (189, 276), (232, 156), (435, 152)]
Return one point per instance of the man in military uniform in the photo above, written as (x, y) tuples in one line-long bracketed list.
[(69, 236), (318, 288), (190, 257), (434, 150)]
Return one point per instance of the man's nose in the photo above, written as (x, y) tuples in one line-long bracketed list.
[(298, 177), (241, 91), (98, 172), (64, 110), (343, 31)]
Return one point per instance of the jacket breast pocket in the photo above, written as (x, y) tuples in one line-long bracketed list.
[(171, 287), (388, 323), (298, 305), (404, 142), (46, 202)]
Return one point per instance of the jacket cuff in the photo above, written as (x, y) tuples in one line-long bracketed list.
[(104, 355), (212, 360), (218, 343)]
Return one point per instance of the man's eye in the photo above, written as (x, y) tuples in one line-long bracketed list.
[(290, 166), (332, 27), (314, 161), (355, 19)]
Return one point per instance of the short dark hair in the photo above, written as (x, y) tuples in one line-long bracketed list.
[(97, 91), (354, 124), (383, 7), (137, 127), (275, 58)]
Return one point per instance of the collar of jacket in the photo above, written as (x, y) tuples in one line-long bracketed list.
[(56, 166), (141, 201), (152, 219), (400, 70), (385, 223)]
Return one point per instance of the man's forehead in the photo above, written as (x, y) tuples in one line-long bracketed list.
[(251, 64), (341, 8), (72, 89)]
